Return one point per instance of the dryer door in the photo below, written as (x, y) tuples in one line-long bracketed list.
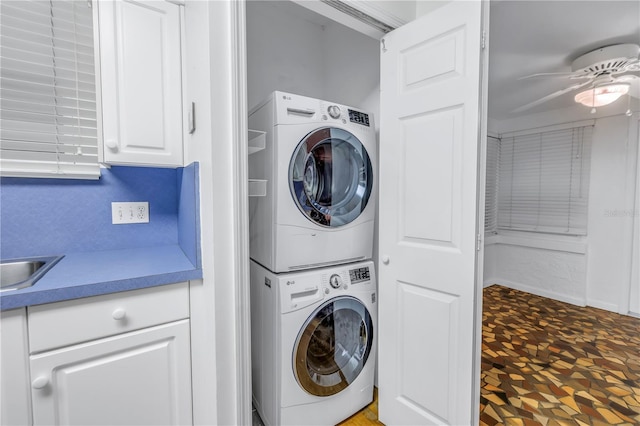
[(333, 346), (330, 177)]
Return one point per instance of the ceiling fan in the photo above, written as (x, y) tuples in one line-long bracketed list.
[(604, 74)]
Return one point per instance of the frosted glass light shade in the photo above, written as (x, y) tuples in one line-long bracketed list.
[(602, 95)]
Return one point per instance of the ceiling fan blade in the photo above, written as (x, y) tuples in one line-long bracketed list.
[(551, 96), (568, 74), (626, 78)]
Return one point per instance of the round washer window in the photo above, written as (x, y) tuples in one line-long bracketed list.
[(333, 346), (330, 177)]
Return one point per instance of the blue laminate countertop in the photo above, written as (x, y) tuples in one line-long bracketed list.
[(86, 274)]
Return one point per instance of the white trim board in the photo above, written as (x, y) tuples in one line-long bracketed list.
[(537, 291), (578, 247)]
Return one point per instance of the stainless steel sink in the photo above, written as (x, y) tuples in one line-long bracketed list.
[(20, 273)]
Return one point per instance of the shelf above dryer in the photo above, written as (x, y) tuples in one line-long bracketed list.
[(257, 141), (257, 187)]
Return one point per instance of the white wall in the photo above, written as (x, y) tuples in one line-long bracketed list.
[(634, 305), (220, 379), (542, 266), (610, 226), (328, 61), (197, 148), (425, 6), (594, 270)]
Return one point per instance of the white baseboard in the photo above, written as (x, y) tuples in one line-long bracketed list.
[(603, 305), (537, 291)]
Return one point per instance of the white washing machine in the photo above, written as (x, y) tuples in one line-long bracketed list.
[(313, 343), (319, 162)]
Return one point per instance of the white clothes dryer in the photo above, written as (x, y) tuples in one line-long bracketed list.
[(313, 340), (319, 162)]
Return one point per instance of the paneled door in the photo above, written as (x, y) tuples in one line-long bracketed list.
[(138, 378), (141, 74), (430, 146)]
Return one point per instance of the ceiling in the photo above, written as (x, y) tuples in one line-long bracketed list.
[(528, 37), (534, 36)]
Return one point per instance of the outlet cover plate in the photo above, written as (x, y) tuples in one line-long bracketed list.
[(129, 212)]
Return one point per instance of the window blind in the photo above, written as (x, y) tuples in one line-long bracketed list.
[(544, 181), (491, 185), (47, 90)]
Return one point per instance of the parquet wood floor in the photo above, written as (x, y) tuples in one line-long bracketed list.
[(550, 363), (367, 416)]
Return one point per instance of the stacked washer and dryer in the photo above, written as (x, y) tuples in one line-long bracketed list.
[(313, 287)]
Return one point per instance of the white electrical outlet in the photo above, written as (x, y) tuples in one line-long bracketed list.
[(133, 212)]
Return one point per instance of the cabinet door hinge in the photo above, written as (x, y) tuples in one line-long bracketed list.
[(484, 39), (478, 242)]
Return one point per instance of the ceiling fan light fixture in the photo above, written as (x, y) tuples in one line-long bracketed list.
[(602, 95)]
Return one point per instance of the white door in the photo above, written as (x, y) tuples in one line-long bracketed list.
[(429, 160), (138, 378)]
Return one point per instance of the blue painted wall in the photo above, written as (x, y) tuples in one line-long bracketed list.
[(189, 213), (58, 216)]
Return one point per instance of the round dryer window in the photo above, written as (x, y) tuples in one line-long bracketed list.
[(333, 346), (331, 177)]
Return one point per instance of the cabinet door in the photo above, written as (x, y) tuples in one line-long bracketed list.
[(143, 377), (141, 78)]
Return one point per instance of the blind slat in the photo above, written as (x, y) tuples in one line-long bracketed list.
[(491, 185), (48, 123), (87, 104), (542, 181), (11, 106)]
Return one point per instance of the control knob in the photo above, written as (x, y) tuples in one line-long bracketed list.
[(335, 281), (334, 111)]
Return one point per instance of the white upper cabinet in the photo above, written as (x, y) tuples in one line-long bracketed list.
[(141, 80)]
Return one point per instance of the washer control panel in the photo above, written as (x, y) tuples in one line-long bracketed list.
[(340, 280), (359, 275)]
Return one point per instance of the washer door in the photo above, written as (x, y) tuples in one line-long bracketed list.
[(330, 177), (333, 346)]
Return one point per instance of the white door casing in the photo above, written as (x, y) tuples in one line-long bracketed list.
[(430, 142)]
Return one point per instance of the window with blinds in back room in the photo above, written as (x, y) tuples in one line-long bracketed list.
[(48, 92), (491, 185), (543, 183)]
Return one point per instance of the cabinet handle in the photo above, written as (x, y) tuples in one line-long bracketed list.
[(385, 259), (119, 314), (112, 144), (40, 382)]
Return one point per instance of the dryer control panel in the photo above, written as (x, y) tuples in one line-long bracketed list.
[(358, 117)]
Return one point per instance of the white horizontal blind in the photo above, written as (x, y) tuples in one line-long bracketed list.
[(491, 185), (48, 93), (544, 181)]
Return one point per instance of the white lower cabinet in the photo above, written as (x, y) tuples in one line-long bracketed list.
[(117, 359), (137, 378)]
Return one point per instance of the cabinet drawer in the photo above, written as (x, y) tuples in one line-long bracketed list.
[(65, 323)]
